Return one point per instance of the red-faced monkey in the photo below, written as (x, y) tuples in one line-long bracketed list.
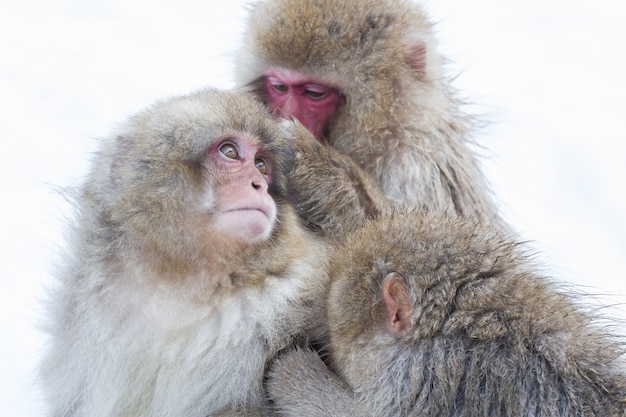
[(185, 269), (365, 76), (430, 315)]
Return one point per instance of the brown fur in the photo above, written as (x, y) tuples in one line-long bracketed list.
[(332, 194), (487, 334), (402, 122)]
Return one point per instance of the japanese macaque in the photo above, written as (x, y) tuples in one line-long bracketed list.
[(185, 270), (431, 315), (365, 77)]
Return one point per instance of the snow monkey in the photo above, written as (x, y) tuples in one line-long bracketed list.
[(432, 315), (365, 77), (185, 269)]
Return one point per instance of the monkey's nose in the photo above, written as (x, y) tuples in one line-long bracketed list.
[(259, 184)]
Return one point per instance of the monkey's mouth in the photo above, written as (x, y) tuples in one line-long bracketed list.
[(251, 209), (261, 210)]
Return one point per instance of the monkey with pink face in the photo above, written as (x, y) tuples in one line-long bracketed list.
[(186, 269), (366, 79)]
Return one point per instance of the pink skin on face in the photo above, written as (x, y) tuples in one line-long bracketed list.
[(291, 94), (243, 206)]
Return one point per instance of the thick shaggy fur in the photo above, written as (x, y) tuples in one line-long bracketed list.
[(402, 122), (155, 314), (488, 335)]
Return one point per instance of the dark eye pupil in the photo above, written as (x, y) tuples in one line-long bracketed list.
[(261, 166), (281, 88), (315, 94), (229, 151)]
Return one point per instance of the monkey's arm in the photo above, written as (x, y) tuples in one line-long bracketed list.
[(300, 384), (330, 191)]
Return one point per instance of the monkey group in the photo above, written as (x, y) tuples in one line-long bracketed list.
[(319, 242)]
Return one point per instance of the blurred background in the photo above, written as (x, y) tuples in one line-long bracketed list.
[(546, 76)]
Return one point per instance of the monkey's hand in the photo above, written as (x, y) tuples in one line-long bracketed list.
[(330, 191), (300, 384)]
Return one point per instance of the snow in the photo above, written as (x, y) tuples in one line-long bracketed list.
[(546, 75)]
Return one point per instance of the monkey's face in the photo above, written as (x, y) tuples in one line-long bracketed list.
[(290, 94), (195, 175), (241, 205)]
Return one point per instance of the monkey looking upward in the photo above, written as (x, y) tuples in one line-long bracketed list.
[(430, 315), (365, 76), (185, 270)]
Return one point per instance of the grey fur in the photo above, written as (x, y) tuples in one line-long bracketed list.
[(488, 336), (154, 313)]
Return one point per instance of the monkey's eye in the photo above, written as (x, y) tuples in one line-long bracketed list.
[(315, 95), (281, 88), (261, 165), (229, 150)]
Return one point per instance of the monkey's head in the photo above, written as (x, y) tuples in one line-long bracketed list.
[(349, 64), (399, 281), (189, 175)]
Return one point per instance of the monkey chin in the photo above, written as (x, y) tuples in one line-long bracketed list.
[(250, 225)]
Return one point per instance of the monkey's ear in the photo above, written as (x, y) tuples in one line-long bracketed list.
[(398, 304), (415, 57)]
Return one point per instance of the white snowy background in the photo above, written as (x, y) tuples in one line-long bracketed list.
[(547, 74)]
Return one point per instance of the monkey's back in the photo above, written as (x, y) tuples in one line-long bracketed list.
[(490, 335)]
